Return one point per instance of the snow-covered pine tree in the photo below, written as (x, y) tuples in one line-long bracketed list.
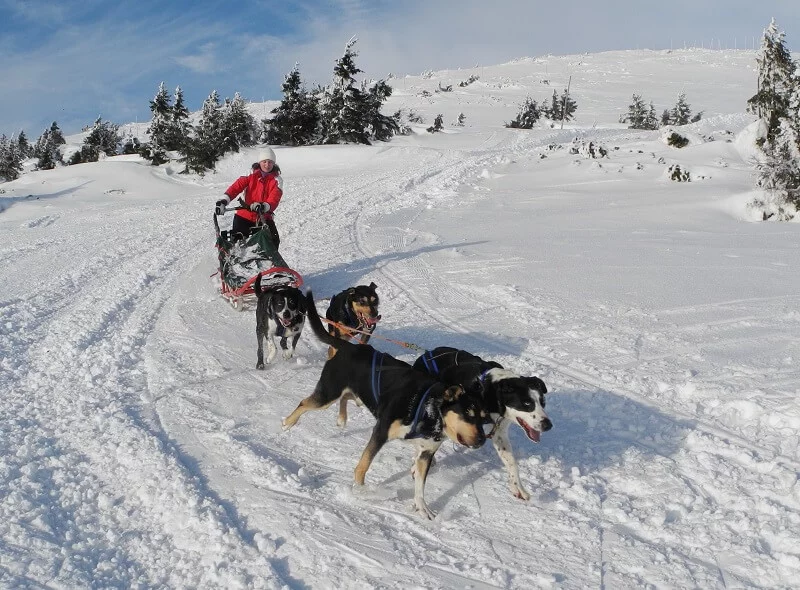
[(651, 120), (681, 113), (777, 80), (527, 116), (180, 128), (103, 138), (296, 118), (777, 103), (203, 149), (24, 146), (381, 126), (553, 110), (155, 151), (343, 105), (237, 126), (637, 113), (46, 149), (438, 124), (568, 106), (10, 159)]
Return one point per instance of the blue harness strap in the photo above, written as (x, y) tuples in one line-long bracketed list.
[(430, 362), (413, 432), (377, 363)]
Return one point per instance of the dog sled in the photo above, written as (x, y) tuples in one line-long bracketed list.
[(242, 261)]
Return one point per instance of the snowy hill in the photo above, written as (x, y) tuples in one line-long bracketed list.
[(141, 447)]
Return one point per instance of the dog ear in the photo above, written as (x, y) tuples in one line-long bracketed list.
[(452, 393), (537, 384), (373, 286)]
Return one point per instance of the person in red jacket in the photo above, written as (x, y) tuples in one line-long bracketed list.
[(263, 190)]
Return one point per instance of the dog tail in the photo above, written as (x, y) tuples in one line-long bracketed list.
[(316, 323)]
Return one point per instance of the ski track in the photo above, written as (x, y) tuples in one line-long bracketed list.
[(77, 417)]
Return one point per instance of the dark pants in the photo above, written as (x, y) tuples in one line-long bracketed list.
[(243, 227)]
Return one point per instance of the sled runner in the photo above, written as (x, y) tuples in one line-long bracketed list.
[(242, 261)]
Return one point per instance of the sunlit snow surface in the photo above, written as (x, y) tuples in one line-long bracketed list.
[(140, 447)]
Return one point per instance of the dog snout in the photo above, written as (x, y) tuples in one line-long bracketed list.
[(546, 424)]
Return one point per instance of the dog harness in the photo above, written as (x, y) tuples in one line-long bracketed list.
[(419, 413), (377, 364), (430, 363)]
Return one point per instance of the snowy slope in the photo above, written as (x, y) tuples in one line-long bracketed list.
[(141, 448)]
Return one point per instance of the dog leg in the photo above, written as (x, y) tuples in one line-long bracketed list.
[(289, 352), (272, 350), (341, 419), (376, 441), (422, 464), (260, 352), (503, 447), (318, 400)]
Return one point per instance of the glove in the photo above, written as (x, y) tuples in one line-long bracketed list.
[(220, 206), (260, 208)]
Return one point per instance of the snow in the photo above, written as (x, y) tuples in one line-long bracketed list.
[(140, 447)]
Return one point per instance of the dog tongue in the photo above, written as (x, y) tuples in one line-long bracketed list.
[(534, 435)]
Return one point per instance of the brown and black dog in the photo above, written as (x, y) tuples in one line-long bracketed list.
[(407, 403), (355, 311)]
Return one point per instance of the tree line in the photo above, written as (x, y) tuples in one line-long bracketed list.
[(348, 112), (343, 112)]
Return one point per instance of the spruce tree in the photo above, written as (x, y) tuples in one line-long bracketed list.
[(295, 120), (651, 120), (155, 151), (438, 124), (637, 113), (568, 106), (201, 152), (777, 103), (25, 148), (237, 126), (681, 113), (179, 129), (776, 80), (381, 126), (527, 116), (103, 138), (47, 150), (10, 159), (343, 104)]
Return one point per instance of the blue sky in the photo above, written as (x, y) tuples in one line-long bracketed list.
[(72, 61)]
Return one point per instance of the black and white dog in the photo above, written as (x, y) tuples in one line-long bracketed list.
[(507, 397), (407, 404), (281, 313)]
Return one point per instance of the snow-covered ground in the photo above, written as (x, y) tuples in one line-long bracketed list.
[(140, 447)]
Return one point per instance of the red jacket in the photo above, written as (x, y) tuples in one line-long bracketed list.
[(258, 188)]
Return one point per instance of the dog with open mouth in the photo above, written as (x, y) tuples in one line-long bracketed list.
[(281, 314), (354, 312), (407, 404), (508, 398)]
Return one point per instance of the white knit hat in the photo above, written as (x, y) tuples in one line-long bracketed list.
[(265, 154)]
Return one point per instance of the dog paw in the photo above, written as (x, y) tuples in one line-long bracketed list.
[(287, 355), (341, 422), (260, 365), (424, 511), (285, 425), (521, 494)]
